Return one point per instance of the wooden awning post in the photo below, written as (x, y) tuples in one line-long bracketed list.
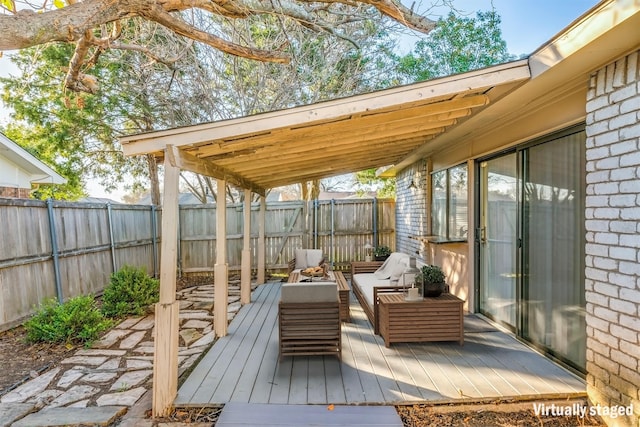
[(245, 273), (261, 240), (165, 366), (221, 268)]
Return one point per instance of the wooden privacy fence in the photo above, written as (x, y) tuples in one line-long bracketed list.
[(59, 250)]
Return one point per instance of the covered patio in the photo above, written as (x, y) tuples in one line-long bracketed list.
[(244, 366)]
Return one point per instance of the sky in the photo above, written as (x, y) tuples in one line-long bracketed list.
[(526, 25)]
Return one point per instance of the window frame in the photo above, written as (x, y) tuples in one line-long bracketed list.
[(447, 237)]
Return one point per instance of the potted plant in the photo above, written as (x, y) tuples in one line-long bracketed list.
[(381, 253), (431, 278)]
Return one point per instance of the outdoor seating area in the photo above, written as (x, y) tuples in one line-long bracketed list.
[(245, 366)]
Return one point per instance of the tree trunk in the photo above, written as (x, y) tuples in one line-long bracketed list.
[(153, 177)]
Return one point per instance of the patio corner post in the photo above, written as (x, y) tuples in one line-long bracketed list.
[(165, 366), (221, 268), (245, 273), (261, 240)]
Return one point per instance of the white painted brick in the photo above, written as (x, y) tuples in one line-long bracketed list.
[(631, 348), (621, 306), (623, 333), (631, 186), (630, 241), (600, 86), (598, 348), (631, 104), (594, 104), (629, 268), (606, 338), (630, 132), (608, 77), (605, 263), (621, 121), (588, 260), (624, 200), (597, 323), (622, 147), (607, 112), (627, 254), (623, 93), (632, 67), (606, 289), (597, 201), (590, 237), (624, 359), (606, 238), (597, 250), (624, 280), (623, 174), (605, 363), (598, 153), (630, 159), (608, 188), (597, 225), (622, 226), (606, 314), (588, 283), (606, 213), (630, 213), (601, 176), (619, 73), (609, 138), (608, 163), (597, 275), (632, 322), (631, 295)]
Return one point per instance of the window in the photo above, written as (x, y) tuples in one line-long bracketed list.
[(449, 203)]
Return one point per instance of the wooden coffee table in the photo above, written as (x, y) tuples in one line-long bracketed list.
[(343, 290), (430, 319)]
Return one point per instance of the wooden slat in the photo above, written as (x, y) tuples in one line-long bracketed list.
[(490, 364)]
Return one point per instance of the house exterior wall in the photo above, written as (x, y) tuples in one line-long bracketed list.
[(413, 213), (13, 177), (15, 192), (411, 209), (613, 244)]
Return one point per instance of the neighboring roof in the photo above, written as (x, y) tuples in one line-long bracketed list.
[(41, 173), (403, 124)]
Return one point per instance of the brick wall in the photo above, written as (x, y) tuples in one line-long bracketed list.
[(411, 208), (18, 193), (613, 237)]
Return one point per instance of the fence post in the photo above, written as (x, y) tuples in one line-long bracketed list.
[(375, 221), (331, 256), (111, 239), (154, 239), (315, 223), (54, 251)]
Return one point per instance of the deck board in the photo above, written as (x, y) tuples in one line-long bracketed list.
[(244, 366)]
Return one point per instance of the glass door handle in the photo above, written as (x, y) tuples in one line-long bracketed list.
[(483, 235)]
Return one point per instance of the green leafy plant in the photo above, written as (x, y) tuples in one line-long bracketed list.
[(430, 274), (130, 292), (78, 320), (381, 251)]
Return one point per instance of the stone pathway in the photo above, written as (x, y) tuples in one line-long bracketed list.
[(97, 385)]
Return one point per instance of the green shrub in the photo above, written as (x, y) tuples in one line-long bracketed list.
[(78, 320), (130, 292)]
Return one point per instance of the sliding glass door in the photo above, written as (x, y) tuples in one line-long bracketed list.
[(553, 247), (531, 243), (498, 237)]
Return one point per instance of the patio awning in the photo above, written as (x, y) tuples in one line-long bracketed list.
[(330, 138)]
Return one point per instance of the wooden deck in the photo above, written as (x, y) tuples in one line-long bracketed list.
[(244, 366)]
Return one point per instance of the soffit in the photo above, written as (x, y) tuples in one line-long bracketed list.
[(339, 136)]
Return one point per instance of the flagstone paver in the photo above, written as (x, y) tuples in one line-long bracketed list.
[(98, 383), (132, 340), (9, 412), (72, 417), (31, 388)]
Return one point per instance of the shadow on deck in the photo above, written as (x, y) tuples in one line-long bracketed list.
[(244, 366)]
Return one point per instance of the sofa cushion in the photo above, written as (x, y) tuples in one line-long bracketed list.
[(309, 292), (393, 267), (366, 282), (308, 258)]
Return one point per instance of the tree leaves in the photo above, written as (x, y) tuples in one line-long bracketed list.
[(9, 5), (58, 3)]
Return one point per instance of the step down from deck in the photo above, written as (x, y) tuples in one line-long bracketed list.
[(249, 414)]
